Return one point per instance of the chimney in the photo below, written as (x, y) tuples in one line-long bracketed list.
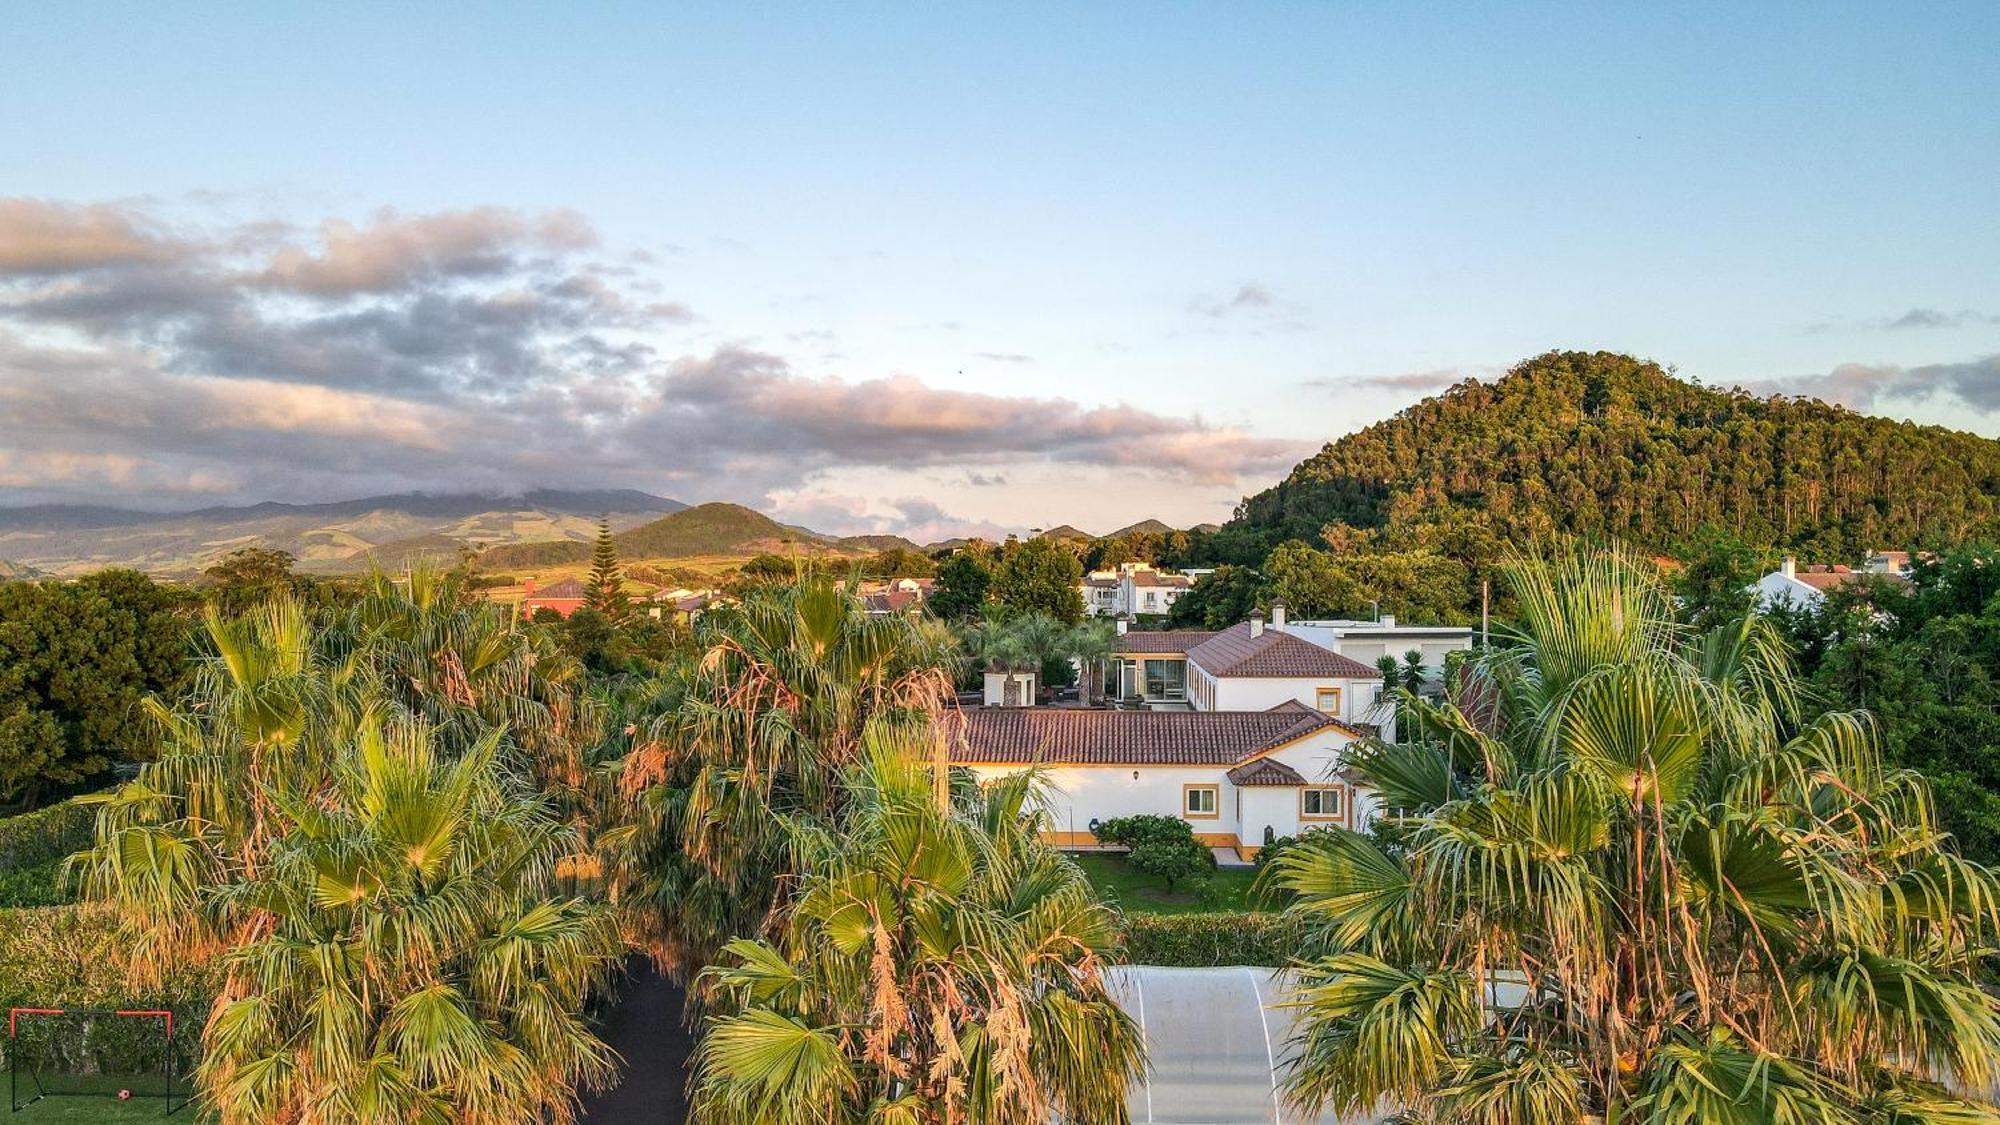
[(1256, 624), (1278, 616), (1790, 567), (1122, 626), (528, 587), (1388, 621)]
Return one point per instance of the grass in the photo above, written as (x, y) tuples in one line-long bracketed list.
[(1224, 891), (98, 1111)]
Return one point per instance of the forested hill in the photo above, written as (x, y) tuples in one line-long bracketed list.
[(1605, 445)]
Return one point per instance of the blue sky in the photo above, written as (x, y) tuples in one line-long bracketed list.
[(1232, 231)]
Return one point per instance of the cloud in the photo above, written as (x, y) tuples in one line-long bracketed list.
[(917, 518), (1249, 297), (1420, 382), (1007, 357), (474, 349), (1914, 318), (393, 251), (1862, 386), (41, 237)]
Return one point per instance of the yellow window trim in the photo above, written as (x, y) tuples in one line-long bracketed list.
[(1213, 790), (1322, 818)]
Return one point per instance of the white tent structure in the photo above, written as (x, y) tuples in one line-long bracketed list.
[(1217, 1040)]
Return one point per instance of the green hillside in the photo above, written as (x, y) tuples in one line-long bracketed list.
[(705, 529), (1598, 444)]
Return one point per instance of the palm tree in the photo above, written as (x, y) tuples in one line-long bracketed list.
[(933, 967), (760, 726), (1626, 883), (374, 864)]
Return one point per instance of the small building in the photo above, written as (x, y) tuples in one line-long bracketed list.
[(1238, 777), (892, 602), (1010, 687), (1806, 587), (564, 597), (1247, 667), (1132, 590)]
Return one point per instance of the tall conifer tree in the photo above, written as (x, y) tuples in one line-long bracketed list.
[(604, 590)]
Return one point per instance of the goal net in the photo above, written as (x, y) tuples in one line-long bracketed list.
[(130, 1055)]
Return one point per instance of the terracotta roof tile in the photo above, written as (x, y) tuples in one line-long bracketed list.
[(1173, 640), (1277, 654), (1075, 736), (1266, 771), (567, 588)]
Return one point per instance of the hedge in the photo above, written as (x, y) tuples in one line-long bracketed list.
[(46, 835), (33, 847), (1205, 940), (75, 957)]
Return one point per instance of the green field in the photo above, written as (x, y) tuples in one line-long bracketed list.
[(1224, 891)]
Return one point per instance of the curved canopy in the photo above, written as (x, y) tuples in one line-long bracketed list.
[(1217, 1041)]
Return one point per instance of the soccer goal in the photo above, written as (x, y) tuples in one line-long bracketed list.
[(128, 1054)]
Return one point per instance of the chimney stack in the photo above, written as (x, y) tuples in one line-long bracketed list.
[(1256, 624), (1278, 616), (1388, 621), (1122, 626), (1790, 567), (528, 588)]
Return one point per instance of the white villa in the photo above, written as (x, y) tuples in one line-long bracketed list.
[(1131, 590), (1239, 777), (1805, 587), (1241, 732)]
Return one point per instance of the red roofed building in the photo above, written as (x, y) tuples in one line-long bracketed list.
[(564, 597)]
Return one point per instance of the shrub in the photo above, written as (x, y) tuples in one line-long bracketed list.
[(76, 957), (1131, 831), (1171, 859), (46, 835), (1207, 940), (40, 885)]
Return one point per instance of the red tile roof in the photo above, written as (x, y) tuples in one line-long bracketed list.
[(890, 601), (567, 588), (1266, 771), (1074, 736), (1174, 640), (1275, 654)]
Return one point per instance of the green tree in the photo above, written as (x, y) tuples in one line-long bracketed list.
[(1040, 575), (756, 727), (1702, 910), (374, 862), (604, 589), (1417, 586), (962, 582), (933, 966), (1222, 599), (76, 660), (1718, 575)]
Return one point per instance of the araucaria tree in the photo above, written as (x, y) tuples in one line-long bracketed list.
[(933, 967), (334, 813), (1626, 884), (604, 589)]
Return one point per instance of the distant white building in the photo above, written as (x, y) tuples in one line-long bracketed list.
[(1805, 587), (1131, 590)]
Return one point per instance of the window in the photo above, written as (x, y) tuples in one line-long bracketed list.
[(1166, 679), (1321, 802), (1327, 699), (1200, 801)]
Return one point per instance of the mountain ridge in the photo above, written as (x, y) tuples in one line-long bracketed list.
[(1606, 445)]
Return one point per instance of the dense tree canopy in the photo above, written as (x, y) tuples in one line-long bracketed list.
[(1610, 447), (1039, 575), (76, 660)]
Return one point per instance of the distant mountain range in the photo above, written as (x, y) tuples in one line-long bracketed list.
[(543, 528), (345, 535)]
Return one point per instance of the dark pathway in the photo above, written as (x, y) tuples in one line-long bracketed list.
[(645, 1027)]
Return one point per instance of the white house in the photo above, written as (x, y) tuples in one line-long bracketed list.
[(1238, 777), (1367, 642), (1253, 666), (1805, 587), (1131, 590)]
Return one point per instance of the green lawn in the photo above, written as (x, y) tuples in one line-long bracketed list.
[(92, 1111), (1226, 890)]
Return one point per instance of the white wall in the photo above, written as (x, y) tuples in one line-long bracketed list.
[(1775, 588), (1249, 693), (1077, 794), (996, 688)]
